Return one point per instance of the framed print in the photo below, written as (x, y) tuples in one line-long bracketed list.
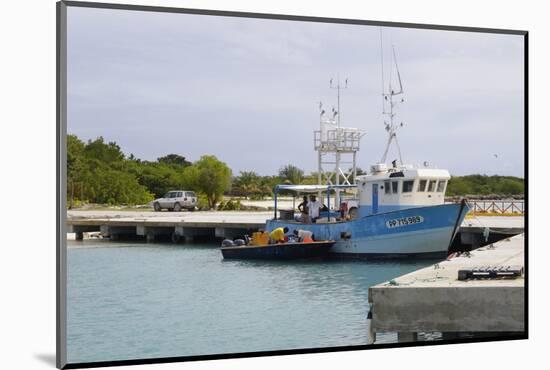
[(240, 184)]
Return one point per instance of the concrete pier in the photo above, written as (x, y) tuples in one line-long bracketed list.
[(481, 230), (434, 300), (186, 226), (178, 227)]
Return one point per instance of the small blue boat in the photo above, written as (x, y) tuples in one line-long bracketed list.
[(283, 251)]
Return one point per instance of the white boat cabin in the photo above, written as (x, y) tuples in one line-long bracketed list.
[(401, 186)]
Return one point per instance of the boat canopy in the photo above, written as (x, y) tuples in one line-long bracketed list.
[(311, 188), (308, 189)]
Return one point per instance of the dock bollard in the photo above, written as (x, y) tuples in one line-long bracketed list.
[(371, 336)]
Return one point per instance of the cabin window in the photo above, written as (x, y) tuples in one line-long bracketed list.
[(422, 185), (387, 188), (431, 185), (408, 186), (394, 185), (441, 186), (397, 174)]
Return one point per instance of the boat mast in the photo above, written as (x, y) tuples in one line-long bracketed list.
[(388, 101)]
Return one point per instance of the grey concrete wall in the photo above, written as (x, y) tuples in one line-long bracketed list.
[(454, 309)]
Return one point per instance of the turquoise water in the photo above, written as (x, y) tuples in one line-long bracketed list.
[(133, 300)]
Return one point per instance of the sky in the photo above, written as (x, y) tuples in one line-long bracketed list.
[(248, 90)]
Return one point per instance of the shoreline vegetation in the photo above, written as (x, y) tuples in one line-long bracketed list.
[(100, 175)]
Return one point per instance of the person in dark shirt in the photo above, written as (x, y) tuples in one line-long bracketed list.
[(304, 210)]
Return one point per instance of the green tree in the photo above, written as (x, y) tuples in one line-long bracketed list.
[(457, 186), (311, 179), (108, 186), (75, 155), (291, 173), (247, 178), (157, 177), (106, 153), (510, 186), (174, 159), (248, 183), (484, 185), (209, 176), (75, 168), (97, 172)]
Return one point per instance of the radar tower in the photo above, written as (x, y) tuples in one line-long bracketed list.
[(337, 146)]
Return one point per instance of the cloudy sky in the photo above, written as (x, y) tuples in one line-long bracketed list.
[(248, 90)]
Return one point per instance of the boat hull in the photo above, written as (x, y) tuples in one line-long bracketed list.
[(285, 251), (415, 232)]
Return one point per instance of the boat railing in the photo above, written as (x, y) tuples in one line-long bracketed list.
[(343, 139)]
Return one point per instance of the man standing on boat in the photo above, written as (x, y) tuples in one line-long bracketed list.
[(304, 209), (314, 207)]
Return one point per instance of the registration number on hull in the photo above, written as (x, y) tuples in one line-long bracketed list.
[(404, 221)]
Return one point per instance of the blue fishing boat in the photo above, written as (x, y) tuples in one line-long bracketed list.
[(397, 210), (420, 231)]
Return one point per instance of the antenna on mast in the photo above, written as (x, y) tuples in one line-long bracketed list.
[(397, 69), (382, 67), (338, 87), (388, 98)]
